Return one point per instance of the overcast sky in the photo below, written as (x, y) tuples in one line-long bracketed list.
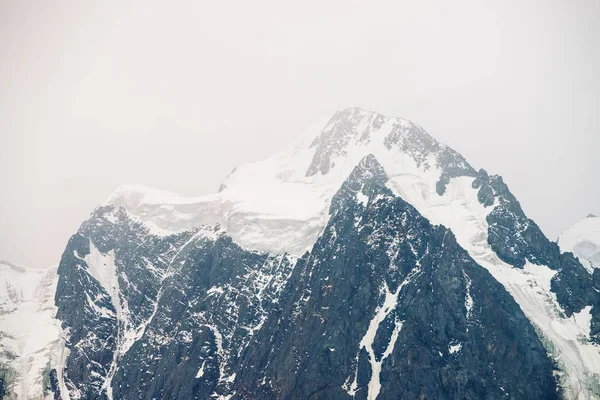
[(174, 94)]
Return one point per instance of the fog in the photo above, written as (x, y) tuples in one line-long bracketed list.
[(174, 94)]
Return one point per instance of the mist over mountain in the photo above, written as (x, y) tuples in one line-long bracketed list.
[(174, 95)]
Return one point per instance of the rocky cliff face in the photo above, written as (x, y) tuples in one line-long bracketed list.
[(215, 300), (110, 277), (369, 261), (517, 240)]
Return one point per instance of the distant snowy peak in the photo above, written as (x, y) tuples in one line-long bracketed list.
[(583, 240), (347, 128), (356, 128)]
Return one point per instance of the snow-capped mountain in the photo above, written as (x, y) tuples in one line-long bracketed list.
[(583, 240), (281, 204), (29, 333), (366, 261)]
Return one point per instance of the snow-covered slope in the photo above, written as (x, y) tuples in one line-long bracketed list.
[(281, 205), (29, 333), (583, 240)]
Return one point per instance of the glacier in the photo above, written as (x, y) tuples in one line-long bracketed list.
[(29, 332)]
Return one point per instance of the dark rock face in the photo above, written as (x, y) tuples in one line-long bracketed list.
[(516, 239), (86, 309), (387, 299), (211, 307), (54, 388)]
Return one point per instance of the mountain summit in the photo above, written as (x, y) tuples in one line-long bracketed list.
[(280, 204), (366, 261)]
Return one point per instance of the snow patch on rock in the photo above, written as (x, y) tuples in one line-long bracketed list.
[(454, 348), (381, 313)]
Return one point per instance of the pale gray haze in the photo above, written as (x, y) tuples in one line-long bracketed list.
[(174, 94)]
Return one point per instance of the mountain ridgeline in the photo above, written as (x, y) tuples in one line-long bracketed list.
[(368, 262)]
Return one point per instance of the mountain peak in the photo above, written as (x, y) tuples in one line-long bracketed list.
[(354, 129), (288, 195), (353, 132), (591, 216), (367, 170)]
